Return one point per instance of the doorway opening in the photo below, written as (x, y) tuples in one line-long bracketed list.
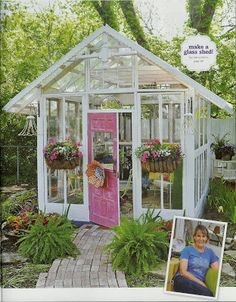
[(125, 165)]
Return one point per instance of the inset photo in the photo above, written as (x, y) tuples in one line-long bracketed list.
[(195, 257)]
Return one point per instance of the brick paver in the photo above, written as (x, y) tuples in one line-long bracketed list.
[(90, 269)]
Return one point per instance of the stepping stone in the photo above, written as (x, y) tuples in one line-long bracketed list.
[(228, 270), (8, 258), (41, 280), (231, 253)]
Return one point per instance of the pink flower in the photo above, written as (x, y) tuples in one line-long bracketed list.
[(143, 159), (146, 154), (52, 140), (78, 144), (155, 154), (156, 141), (54, 156), (79, 154)]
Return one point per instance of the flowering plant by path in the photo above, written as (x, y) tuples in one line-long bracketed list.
[(66, 150), (153, 150)]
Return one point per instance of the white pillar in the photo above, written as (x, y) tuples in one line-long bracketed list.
[(40, 159)]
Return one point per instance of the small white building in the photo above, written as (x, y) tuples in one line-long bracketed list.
[(156, 101)]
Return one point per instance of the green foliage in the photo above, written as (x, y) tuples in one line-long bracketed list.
[(137, 247), (222, 198), (177, 187), (48, 240), (17, 202), (150, 216)]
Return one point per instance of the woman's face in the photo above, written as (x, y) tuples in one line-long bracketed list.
[(200, 239)]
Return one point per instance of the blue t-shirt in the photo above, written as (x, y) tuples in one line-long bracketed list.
[(198, 263)]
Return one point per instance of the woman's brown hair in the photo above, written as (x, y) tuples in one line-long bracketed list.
[(201, 228)]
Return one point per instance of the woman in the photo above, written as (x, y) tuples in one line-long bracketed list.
[(195, 261)]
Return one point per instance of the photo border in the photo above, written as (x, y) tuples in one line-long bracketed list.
[(220, 264)]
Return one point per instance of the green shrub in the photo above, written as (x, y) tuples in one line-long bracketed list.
[(222, 198), (17, 202), (137, 247), (48, 239)]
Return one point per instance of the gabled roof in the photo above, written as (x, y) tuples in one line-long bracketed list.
[(31, 92)]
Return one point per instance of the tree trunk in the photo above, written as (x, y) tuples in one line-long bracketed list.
[(201, 14), (133, 22)]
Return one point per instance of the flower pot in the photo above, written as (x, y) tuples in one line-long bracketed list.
[(63, 164), (160, 166), (226, 156), (218, 154)]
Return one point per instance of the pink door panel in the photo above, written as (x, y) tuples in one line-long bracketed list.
[(102, 146)]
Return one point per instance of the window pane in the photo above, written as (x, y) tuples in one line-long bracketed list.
[(74, 178), (56, 186), (103, 148), (54, 119), (151, 190), (75, 186), (74, 121)]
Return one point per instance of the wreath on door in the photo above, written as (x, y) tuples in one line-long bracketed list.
[(96, 174)]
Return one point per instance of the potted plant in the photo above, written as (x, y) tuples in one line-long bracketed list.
[(157, 157), (218, 144), (62, 155), (227, 151)]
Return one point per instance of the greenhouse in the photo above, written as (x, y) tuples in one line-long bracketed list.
[(110, 96)]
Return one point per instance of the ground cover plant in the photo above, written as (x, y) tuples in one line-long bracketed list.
[(138, 245), (17, 202)]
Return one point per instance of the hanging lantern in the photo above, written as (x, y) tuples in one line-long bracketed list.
[(30, 128)]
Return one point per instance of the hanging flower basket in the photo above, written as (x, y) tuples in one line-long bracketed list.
[(63, 164), (157, 157), (160, 166), (96, 174), (62, 155)]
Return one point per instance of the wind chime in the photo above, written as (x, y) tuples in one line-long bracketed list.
[(30, 128)]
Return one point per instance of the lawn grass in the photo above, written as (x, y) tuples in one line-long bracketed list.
[(22, 275)]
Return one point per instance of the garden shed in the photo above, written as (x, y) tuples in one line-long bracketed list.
[(112, 95)]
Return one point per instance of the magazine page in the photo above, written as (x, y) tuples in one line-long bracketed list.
[(118, 174)]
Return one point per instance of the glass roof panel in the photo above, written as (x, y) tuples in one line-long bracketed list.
[(151, 76), (70, 79)]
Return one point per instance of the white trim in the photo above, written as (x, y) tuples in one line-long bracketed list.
[(85, 106), (118, 165), (137, 172), (107, 29), (40, 158)]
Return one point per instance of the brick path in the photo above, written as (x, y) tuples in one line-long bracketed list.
[(90, 269)]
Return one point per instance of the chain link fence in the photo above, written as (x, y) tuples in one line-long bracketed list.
[(18, 165)]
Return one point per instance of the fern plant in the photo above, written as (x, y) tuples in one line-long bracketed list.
[(137, 247), (48, 239)]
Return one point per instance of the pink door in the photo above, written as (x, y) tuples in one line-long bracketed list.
[(102, 147)]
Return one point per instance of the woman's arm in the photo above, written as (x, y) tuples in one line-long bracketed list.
[(184, 272), (215, 265)]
